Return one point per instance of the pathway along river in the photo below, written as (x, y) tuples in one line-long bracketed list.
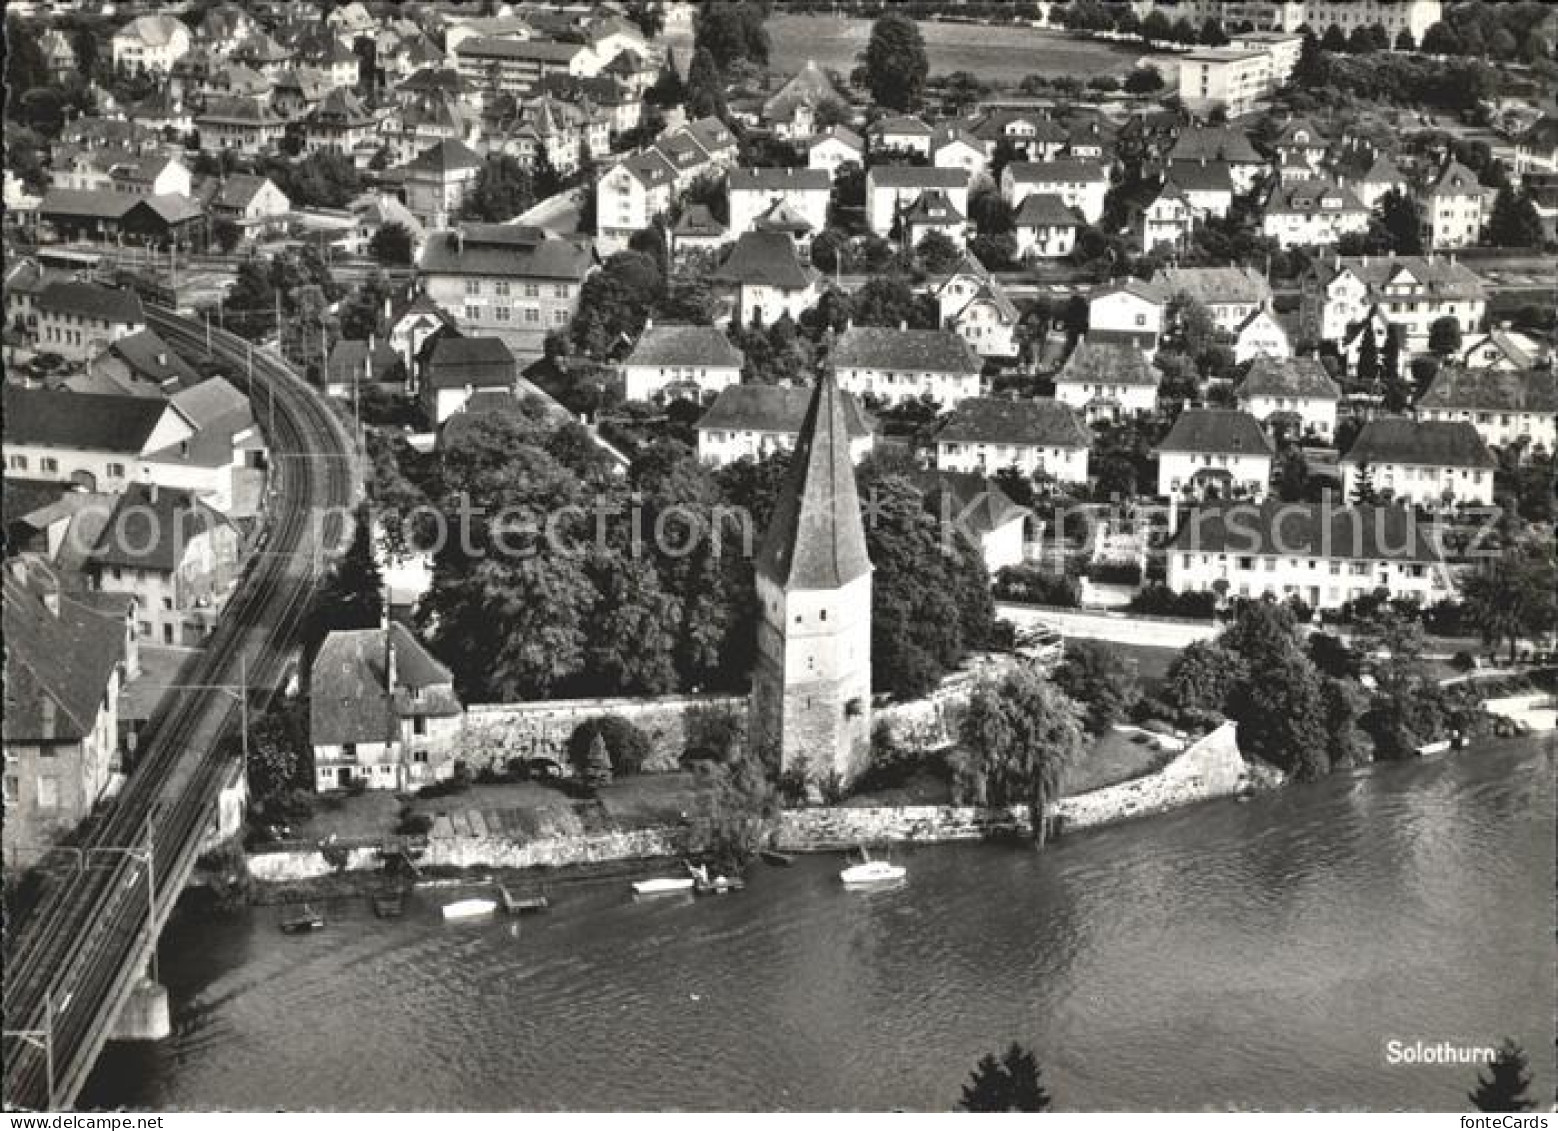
[(1257, 954)]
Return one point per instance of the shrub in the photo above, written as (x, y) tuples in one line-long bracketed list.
[(1463, 661), (1026, 583), (714, 734), (1161, 601), (1115, 573), (627, 745), (412, 823), (892, 762), (290, 807)]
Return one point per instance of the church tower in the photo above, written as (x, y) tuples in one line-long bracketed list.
[(811, 690)]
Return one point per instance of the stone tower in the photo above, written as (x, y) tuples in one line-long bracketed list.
[(811, 689)]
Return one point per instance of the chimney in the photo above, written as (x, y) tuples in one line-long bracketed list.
[(46, 725), (903, 324), (391, 669)]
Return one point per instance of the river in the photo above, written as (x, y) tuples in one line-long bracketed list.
[(1256, 954)]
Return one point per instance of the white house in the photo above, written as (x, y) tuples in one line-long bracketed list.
[(1079, 184), (1214, 452), (673, 360), (754, 421), (1426, 462), (1507, 407), (953, 147), (150, 43), (976, 506), (897, 132), (768, 278), (1107, 380), (79, 320), (1260, 335), (1168, 219), (891, 189), (895, 365), (1127, 310), (985, 435), (1312, 213), (754, 192), (98, 441), (1500, 348), (1458, 207), (1320, 554), (631, 193), (1410, 292), (1045, 227), (834, 148), (973, 302), (1229, 294), (1295, 390)]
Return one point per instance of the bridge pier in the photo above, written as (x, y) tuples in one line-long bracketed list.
[(145, 1015)]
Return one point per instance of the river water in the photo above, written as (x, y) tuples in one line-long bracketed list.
[(1257, 954)]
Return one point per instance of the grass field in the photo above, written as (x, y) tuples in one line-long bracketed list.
[(997, 54)]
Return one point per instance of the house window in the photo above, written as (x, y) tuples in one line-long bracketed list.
[(419, 724), (116, 471), (48, 793), (11, 787), (17, 463), (473, 286), (49, 464)]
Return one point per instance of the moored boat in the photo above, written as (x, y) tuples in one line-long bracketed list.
[(663, 885), (469, 908), (303, 922), (871, 871)]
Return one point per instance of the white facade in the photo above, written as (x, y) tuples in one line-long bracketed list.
[(1250, 472), (718, 447), (1320, 582), (1167, 221), (883, 202), (646, 382), (1422, 483), (150, 43), (894, 387), (1066, 465), (831, 154), (1318, 414), (1127, 397), (808, 200), (1123, 311), (1232, 78), (1261, 336), (1085, 194)]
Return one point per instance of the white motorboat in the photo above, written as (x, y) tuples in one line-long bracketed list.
[(469, 908), (664, 885), (873, 872)]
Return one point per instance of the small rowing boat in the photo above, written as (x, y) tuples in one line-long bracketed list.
[(469, 909), (664, 885)]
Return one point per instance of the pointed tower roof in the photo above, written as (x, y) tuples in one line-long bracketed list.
[(815, 539)]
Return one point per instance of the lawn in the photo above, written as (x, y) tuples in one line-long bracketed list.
[(996, 53), (1113, 758)]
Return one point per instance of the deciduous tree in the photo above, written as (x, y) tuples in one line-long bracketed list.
[(895, 62)]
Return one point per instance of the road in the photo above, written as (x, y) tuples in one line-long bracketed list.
[(71, 965)]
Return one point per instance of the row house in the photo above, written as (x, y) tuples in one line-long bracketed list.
[(1424, 462), (755, 421), (892, 366), (1214, 453), (1323, 555), (1407, 292), (985, 435), (1510, 409)]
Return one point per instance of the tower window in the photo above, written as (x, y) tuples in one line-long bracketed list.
[(797, 618), (822, 615)]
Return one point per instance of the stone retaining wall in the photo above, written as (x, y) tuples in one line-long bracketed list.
[(1212, 767)]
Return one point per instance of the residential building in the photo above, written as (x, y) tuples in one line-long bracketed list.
[(792, 112), (152, 175), (1409, 292), (768, 278), (1233, 79), (340, 123), (356, 366), (931, 212), (247, 125), (1458, 206), (58, 53), (900, 133), (439, 179), (1395, 16), (1299, 139), (954, 147), (516, 66), (985, 435), (1126, 310), (834, 148), (253, 203), (511, 280), (1045, 227), (1368, 174), (1509, 408), (672, 360), (1079, 184), (697, 230), (97, 441), (754, 421), (79, 320), (1168, 219), (460, 367), (1502, 348), (1322, 554), (1033, 134), (1423, 462), (382, 711), (754, 192), (1107, 380), (972, 301), (1206, 186), (976, 506), (1283, 47), (890, 189), (175, 555), (150, 43), (1229, 294), (1214, 453), (1292, 392), (630, 194), (891, 366), (1262, 334), (67, 656), (1232, 147), (1312, 213), (1536, 150)]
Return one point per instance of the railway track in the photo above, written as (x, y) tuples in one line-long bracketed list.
[(76, 959)]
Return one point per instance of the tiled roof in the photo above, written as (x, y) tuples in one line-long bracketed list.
[(698, 220), (527, 253), (1306, 198), (679, 344), (900, 125), (349, 700), (57, 665), (1441, 276), (1214, 285), (1114, 363), (149, 357), (1217, 431), (1496, 390), (103, 204), (838, 133), (772, 408), (765, 259), (1433, 443), (93, 301), (444, 157), (816, 539), (1045, 210), (932, 208), (782, 179), (1199, 176), (978, 504), (808, 87), (215, 403), (457, 362), (915, 351), (1288, 377), (1055, 172), (152, 528), (1033, 422), (916, 177), (537, 50), (1317, 530), (1455, 179), (1215, 143)]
